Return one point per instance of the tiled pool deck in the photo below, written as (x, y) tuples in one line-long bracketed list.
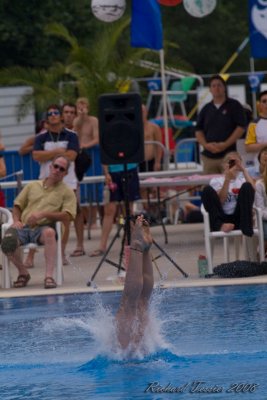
[(185, 244)]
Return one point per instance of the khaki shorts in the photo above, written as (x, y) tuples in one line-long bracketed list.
[(212, 165)]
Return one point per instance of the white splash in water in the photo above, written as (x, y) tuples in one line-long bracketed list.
[(101, 328)]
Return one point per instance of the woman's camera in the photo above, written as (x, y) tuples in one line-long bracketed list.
[(231, 163)]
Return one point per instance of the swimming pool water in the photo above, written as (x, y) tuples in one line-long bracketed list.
[(62, 347)]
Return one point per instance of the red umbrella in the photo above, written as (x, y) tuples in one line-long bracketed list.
[(170, 2)]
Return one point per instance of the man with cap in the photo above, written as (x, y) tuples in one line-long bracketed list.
[(36, 209)]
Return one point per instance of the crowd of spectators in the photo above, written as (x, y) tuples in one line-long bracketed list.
[(66, 130)]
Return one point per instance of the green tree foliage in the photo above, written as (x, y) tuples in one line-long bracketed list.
[(23, 41), (205, 43), (208, 42), (60, 49), (89, 70)]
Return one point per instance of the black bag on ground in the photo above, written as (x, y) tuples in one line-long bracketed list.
[(240, 269), (82, 163)]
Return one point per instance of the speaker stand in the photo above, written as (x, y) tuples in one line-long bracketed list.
[(104, 257), (164, 253), (119, 265), (127, 237)]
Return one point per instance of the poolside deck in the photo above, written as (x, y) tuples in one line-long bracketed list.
[(185, 244)]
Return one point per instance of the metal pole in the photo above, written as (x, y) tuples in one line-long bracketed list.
[(253, 93), (164, 99)]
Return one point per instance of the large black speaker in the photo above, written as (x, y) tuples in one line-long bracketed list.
[(121, 128)]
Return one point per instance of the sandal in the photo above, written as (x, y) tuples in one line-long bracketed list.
[(97, 253), (77, 253), (21, 281), (49, 283)]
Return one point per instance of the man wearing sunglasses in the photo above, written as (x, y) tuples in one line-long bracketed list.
[(36, 209), (256, 138), (55, 141)]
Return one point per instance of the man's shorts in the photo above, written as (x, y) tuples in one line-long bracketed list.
[(133, 188), (28, 235)]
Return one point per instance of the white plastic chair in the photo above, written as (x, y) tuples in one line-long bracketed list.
[(237, 235), (6, 277)]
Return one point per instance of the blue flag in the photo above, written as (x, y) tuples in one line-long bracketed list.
[(146, 25), (255, 80), (258, 28)]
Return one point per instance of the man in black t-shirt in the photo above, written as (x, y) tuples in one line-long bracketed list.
[(220, 124)]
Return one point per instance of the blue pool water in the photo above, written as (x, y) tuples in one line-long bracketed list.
[(62, 347)]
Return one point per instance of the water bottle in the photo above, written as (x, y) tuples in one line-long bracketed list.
[(202, 266), (106, 194)]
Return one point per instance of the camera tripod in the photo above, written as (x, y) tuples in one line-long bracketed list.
[(126, 240)]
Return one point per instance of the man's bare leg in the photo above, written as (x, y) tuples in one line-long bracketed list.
[(64, 241), (79, 229), (109, 214), (16, 259), (92, 216), (29, 261), (48, 238)]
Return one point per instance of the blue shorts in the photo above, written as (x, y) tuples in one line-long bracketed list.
[(133, 185), (28, 235)]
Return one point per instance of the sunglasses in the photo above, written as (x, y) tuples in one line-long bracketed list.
[(50, 113), (61, 169)]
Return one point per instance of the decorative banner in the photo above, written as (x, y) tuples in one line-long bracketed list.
[(154, 84), (146, 25), (123, 86), (225, 76), (255, 81), (258, 28), (199, 8), (170, 2), (108, 10)]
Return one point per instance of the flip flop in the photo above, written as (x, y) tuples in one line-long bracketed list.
[(22, 281), (49, 283), (77, 253), (97, 253)]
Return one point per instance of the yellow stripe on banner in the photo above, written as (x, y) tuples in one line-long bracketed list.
[(123, 86), (225, 76)]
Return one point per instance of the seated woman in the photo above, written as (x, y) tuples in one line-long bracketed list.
[(261, 202), (229, 198), (132, 315), (257, 170)]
